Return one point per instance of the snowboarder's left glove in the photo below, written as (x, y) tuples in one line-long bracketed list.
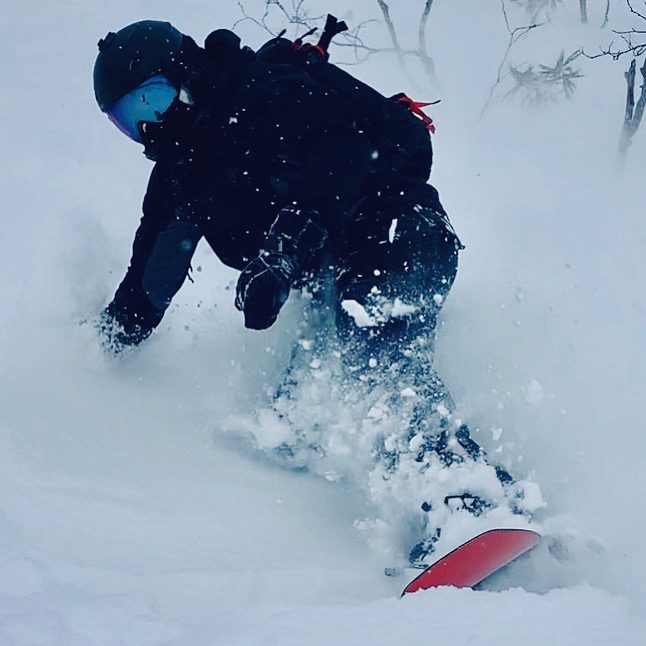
[(291, 244), (263, 288)]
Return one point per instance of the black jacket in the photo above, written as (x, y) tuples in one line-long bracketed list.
[(261, 138)]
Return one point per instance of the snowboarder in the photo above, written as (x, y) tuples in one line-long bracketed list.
[(297, 186)]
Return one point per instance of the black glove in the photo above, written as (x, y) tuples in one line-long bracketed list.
[(263, 287), (118, 329)]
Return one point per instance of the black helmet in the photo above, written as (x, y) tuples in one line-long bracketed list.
[(135, 54)]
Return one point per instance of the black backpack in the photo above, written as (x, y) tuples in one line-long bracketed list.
[(396, 126)]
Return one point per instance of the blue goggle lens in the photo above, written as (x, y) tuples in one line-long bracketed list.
[(147, 103)]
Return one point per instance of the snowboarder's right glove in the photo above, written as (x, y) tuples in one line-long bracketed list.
[(120, 329), (263, 287)]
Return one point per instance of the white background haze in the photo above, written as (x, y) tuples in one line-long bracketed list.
[(128, 517)]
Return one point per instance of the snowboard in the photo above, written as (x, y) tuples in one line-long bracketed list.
[(474, 561)]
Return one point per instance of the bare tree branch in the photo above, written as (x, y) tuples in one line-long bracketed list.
[(634, 41), (607, 15), (247, 18), (421, 53), (547, 83), (534, 8), (421, 38), (616, 54), (630, 96), (354, 40), (422, 27), (634, 112), (385, 9), (632, 10), (294, 12), (514, 36), (629, 32)]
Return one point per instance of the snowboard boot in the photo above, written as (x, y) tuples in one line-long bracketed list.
[(417, 555)]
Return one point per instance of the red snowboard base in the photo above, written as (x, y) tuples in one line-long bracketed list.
[(476, 559)]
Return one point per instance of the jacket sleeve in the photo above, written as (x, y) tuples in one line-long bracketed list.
[(161, 257)]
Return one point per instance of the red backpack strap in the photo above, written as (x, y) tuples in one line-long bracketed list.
[(416, 108)]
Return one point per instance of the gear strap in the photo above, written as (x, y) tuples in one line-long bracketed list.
[(319, 52), (416, 108)]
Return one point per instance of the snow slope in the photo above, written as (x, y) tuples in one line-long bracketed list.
[(127, 516)]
